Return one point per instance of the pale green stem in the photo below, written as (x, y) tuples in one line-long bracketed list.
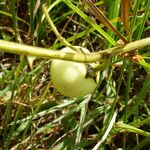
[(22, 49), (50, 22), (130, 128)]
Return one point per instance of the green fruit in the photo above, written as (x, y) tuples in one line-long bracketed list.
[(69, 77)]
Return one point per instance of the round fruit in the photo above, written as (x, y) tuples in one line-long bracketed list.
[(69, 77)]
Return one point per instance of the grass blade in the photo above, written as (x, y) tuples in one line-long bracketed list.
[(90, 21), (101, 17), (125, 7), (140, 96), (81, 123), (145, 17)]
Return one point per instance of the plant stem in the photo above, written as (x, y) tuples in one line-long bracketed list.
[(129, 128), (22, 49), (50, 22)]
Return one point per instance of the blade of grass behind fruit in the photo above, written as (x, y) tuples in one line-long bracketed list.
[(83, 33), (130, 128), (113, 13), (24, 122), (42, 98), (90, 21), (12, 129), (135, 12), (31, 9), (113, 10), (111, 124), (90, 117), (141, 122), (145, 17), (142, 144), (140, 96), (27, 78), (81, 123), (46, 127), (125, 7), (111, 110), (127, 89), (36, 109), (101, 17), (10, 15), (126, 97), (36, 7), (51, 7), (50, 22), (8, 112), (15, 26)]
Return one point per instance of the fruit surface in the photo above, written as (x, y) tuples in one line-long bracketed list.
[(69, 77)]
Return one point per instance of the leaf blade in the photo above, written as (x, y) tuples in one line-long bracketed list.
[(101, 17), (125, 7)]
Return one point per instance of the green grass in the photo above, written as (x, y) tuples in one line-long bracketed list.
[(34, 115)]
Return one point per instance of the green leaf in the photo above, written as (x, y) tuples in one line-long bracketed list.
[(90, 21)]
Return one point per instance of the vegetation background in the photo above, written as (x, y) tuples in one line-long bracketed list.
[(33, 115)]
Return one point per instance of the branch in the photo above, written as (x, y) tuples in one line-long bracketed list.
[(22, 49)]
